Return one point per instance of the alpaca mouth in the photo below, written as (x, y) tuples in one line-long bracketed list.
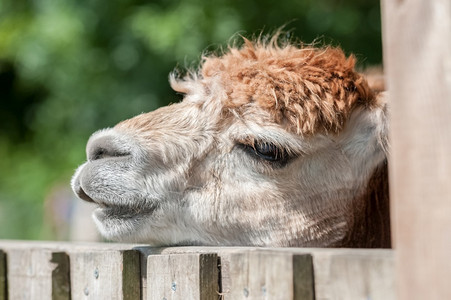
[(82, 195), (122, 212), (107, 210)]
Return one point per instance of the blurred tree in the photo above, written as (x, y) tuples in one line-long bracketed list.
[(70, 67)]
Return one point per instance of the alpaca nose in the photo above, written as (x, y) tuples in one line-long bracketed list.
[(102, 145)]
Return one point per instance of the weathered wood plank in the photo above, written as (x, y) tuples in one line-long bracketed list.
[(109, 274), (417, 60), (37, 274), (182, 276), (260, 275), (2, 275), (354, 276)]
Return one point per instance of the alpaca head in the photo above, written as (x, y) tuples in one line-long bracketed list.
[(271, 145)]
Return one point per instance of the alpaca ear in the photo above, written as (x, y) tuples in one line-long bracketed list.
[(364, 139)]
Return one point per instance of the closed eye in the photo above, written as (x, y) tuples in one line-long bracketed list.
[(266, 151)]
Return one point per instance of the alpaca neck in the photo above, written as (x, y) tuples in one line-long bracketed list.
[(371, 227)]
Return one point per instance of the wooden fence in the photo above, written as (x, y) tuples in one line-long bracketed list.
[(52, 270)]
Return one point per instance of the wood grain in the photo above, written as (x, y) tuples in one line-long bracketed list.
[(354, 275), (182, 276), (260, 275), (37, 274), (105, 275), (417, 61)]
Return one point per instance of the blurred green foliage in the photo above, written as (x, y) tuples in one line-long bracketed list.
[(68, 68)]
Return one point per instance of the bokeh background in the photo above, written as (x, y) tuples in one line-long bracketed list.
[(70, 67)]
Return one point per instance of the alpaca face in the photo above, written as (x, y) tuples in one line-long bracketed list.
[(222, 168)]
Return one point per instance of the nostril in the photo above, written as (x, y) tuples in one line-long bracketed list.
[(100, 153), (106, 146)]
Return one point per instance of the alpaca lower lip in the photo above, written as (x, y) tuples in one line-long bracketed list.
[(123, 212)]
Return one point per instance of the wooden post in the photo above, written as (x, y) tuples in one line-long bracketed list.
[(38, 274), (417, 61), (105, 274), (182, 276), (2, 275), (264, 275)]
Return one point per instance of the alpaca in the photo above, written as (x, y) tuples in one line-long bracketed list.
[(274, 144)]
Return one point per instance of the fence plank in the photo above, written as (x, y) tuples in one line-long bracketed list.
[(182, 276), (2, 275), (354, 275), (37, 274), (417, 59), (260, 275), (109, 274)]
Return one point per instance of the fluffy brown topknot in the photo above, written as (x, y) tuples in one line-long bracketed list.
[(305, 89)]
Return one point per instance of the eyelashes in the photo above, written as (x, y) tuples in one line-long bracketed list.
[(269, 152), (266, 151)]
